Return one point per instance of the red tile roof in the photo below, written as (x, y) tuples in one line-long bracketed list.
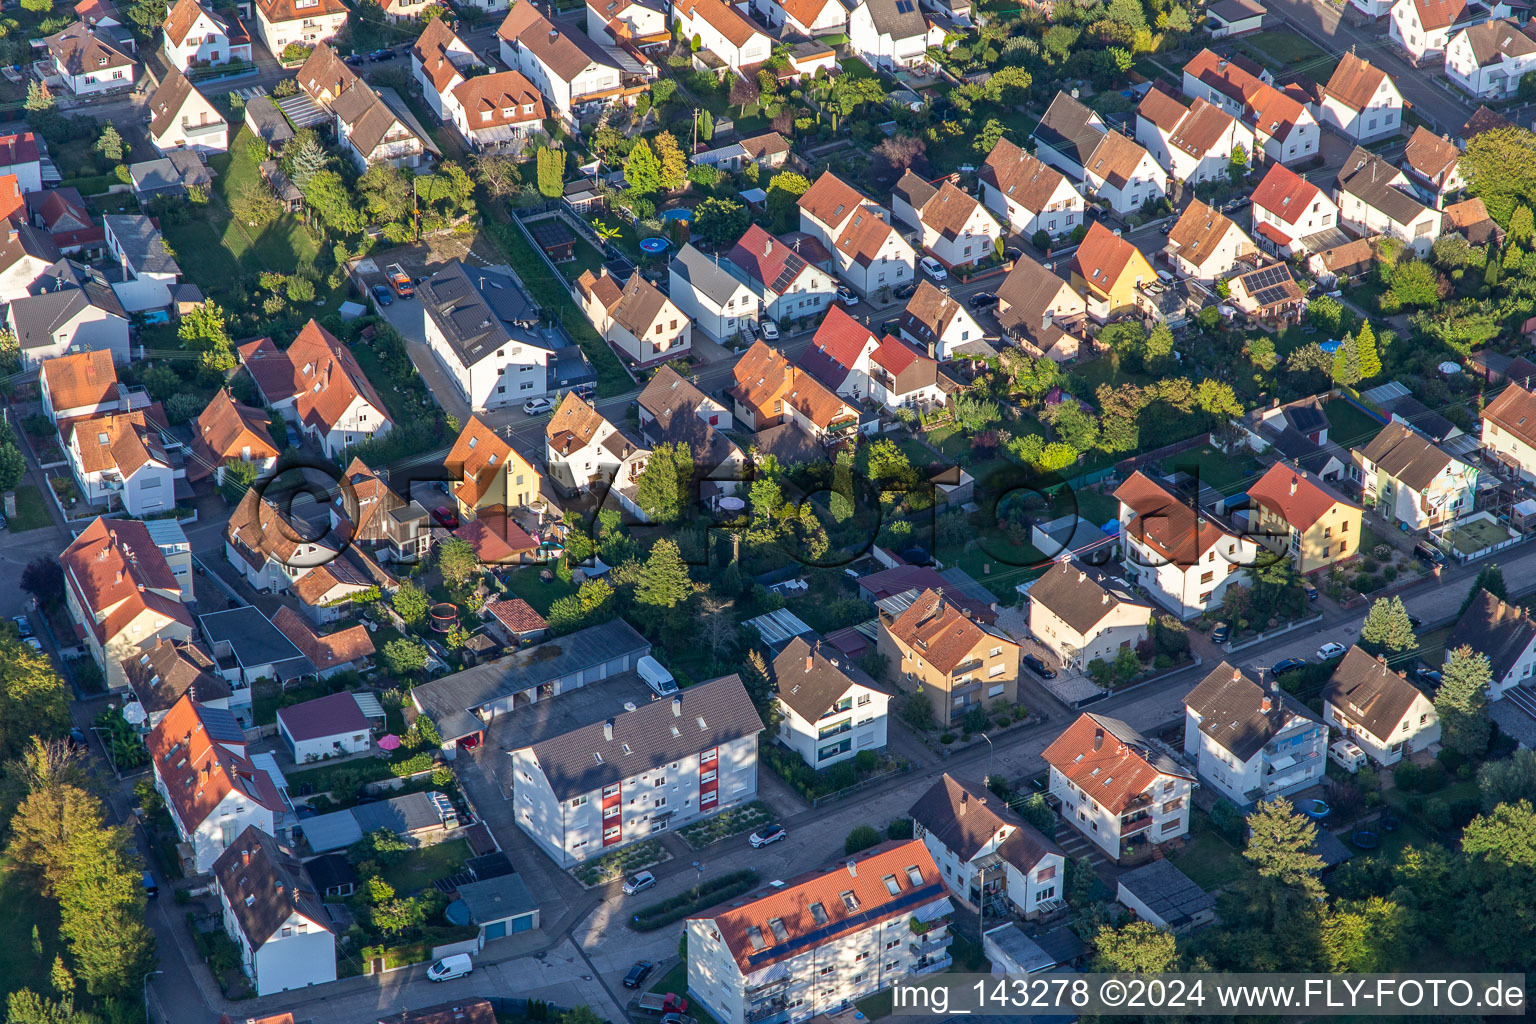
[(330, 715), (1100, 763), (343, 647), (517, 615), (20, 148), (1102, 257), (830, 199), (1166, 524), (1285, 193), (80, 380), (1298, 498), (117, 572), (939, 630), (199, 772)]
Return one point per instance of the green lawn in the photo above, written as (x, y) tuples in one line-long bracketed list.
[(877, 1005), (1347, 425), (1286, 48), (362, 769), (585, 258), (31, 510), (1216, 469), (421, 867), (25, 908), (676, 982), (525, 583), (1208, 861)]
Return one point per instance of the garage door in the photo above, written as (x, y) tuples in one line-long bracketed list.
[(618, 665), (496, 930), (522, 924)]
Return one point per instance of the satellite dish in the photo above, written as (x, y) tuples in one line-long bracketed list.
[(133, 713)]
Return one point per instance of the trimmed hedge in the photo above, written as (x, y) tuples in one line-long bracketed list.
[(716, 890)]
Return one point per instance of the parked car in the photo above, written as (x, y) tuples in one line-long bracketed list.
[(769, 329), (34, 643), (638, 882), (661, 1003), (934, 268), (293, 437), (354, 60), (378, 55), (638, 973), (1331, 650), (1038, 667), (1286, 665), (1012, 252), (767, 834), (151, 887), (1220, 634), (904, 291), (1426, 552), (847, 296), (537, 406), (450, 967), (1310, 591), (23, 625), (981, 299), (446, 517), (384, 296)]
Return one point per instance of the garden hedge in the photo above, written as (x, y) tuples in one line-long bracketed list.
[(714, 891)]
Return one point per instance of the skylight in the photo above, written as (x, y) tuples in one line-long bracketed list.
[(850, 900), (914, 875), (891, 885), (818, 913)]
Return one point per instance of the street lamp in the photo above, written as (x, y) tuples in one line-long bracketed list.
[(987, 781), (151, 974), (698, 884)]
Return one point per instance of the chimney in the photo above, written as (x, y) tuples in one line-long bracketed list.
[(1098, 739), (119, 576), (767, 246), (1046, 319), (279, 888), (608, 729), (677, 707), (1294, 482), (1237, 675), (554, 33), (1267, 704), (245, 856), (810, 661), (965, 801), (853, 869), (1105, 598)]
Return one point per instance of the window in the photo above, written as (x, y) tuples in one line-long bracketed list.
[(1046, 893), (660, 801), (893, 944), (578, 801), (861, 957), (661, 780), (608, 791), (996, 690), (849, 899)]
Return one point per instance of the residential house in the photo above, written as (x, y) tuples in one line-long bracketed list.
[(1361, 101), (324, 76), (902, 376), (62, 214), (1027, 194), (674, 410), (639, 23), (637, 320), (1409, 479), (83, 384), (87, 63), (440, 61), (870, 254), (985, 850), (490, 472), (788, 286), (196, 36), (246, 646), (329, 591), (1509, 430), (1291, 215), (317, 384), (1470, 219), (1378, 709), (720, 302), (342, 650), (817, 942), (1106, 164), (149, 272), (1193, 144), (974, 600), (515, 621), (1228, 18), (958, 663), (326, 727), (1503, 632), (723, 31), (1109, 272), (281, 23), (175, 175), (1267, 293), (119, 460), (26, 254), (1488, 60), (170, 670), (815, 409), (1297, 515), (391, 529), (1184, 559), (1085, 615), (609, 782), (1343, 263), (1284, 130), (1205, 245), (571, 70), (888, 34), (1433, 164), (582, 450), (273, 913), (267, 123), (1121, 790), (483, 328), (955, 228), (227, 431), (79, 313), (760, 379), (770, 150), (1423, 28), (266, 546), (1041, 312), (121, 594), (497, 111), (1251, 740), (938, 323), (839, 352), (376, 127), (829, 709), (182, 118), (1375, 198), (809, 18), (20, 156), (213, 790)]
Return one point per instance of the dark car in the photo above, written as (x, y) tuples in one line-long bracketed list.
[(638, 973), (446, 517), (905, 291), (1310, 591), (1426, 552), (384, 296), (1287, 665), (1038, 667), (1220, 633), (353, 59), (981, 299), (1013, 252), (1415, 621), (378, 55), (1429, 675)]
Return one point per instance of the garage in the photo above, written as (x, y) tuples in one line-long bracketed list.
[(501, 906)]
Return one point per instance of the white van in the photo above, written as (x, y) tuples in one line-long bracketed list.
[(1347, 755), (656, 676), (450, 967)]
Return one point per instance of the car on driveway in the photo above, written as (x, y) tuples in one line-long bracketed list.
[(904, 291), (1038, 667), (23, 625), (769, 329), (1220, 633), (638, 973), (384, 296), (934, 268), (352, 60), (537, 406), (446, 517), (981, 299), (378, 55), (638, 882), (1331, 650), (34, 643), (847, 296), (767, 834), (1287, 665)]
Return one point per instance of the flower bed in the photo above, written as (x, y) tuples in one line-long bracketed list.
[(620, 863), (726, 824)]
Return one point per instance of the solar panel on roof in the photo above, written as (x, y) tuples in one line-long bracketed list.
[(220, 725)]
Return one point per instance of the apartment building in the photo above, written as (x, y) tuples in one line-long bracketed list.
[(957, 662), (1377, 708), (829, 709), (1250, 740)]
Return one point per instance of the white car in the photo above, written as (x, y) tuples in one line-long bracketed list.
[(537, 406), (638, 882), (767, 834), (1330, 650), (847, 296), (934, 268), (769, 329)]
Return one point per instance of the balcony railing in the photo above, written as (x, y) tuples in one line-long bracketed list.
[(1129, 828), (921, 946), (931, 965), (768, 1013), (1138, 802)]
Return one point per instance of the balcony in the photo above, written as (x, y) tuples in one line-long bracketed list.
[(774, 1011), (198, 131), (923, 945), (1138, 802), (931, 965), (1131, 826)]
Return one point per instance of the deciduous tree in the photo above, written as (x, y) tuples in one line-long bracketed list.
[(1136, 948), (674, 165)]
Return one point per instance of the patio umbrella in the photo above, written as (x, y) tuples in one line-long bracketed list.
[(390, 742)]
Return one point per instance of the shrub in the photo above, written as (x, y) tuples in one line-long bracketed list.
[(900, 828), (1437, 813), (861, 838), (715, 890), (975, 720), (947, 737)]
